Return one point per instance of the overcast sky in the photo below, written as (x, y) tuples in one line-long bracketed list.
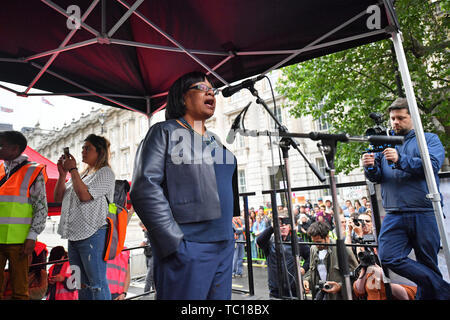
[(28, 111)]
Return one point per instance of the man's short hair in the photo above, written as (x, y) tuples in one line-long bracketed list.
[(398, 104), (318, 229), (14, 138)]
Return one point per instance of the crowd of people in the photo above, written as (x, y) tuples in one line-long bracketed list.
[(314, 222)]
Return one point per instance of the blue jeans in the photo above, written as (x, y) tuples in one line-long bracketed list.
[(86, 256), (238, 256), (197, 271), (402, 232)]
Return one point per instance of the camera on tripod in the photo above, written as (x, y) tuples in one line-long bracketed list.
[(377, 130), (320, 295), (367, 257)]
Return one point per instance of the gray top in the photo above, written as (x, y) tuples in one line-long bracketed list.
[(80, 220)]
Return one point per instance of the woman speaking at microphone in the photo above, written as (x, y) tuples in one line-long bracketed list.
[(185, 191)]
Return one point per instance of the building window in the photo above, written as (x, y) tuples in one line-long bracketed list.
[(126, 161), (112, 161), (320, 163), (113, 135), (322, 124), (240, 141), (242, 181), (278, 114), (278, 173), (125, 132)]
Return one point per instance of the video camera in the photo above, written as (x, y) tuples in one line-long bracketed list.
[(368, 257), (377, 130), (320, 295)]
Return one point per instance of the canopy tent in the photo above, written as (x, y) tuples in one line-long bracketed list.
[(128, 54), (128, 58)]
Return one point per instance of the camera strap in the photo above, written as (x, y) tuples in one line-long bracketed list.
[(14, 170)]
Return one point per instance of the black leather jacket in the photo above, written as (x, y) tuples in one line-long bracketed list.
[(166, 193)]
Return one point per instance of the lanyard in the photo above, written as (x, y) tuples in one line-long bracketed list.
[(208, 140)]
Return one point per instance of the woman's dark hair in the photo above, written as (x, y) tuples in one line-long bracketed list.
[(102, 147), (175, 103), (57, 253)]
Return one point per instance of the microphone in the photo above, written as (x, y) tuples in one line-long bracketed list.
[(232, 133), (246, 84), (236, 124)]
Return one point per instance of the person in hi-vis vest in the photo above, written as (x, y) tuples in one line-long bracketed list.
[(23, 209)]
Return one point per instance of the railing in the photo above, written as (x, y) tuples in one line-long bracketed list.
[(251, 288)]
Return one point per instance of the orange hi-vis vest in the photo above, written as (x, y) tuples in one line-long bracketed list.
[(16, 211), (116, 272), (238, 224)]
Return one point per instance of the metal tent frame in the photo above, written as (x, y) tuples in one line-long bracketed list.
[(105, 37)]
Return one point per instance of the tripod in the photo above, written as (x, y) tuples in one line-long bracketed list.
[(285, 143), (327, 147)]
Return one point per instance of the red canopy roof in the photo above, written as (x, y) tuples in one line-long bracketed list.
[(52, 174), (33, 155)]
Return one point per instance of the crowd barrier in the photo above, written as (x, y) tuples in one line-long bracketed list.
[(260, 255)]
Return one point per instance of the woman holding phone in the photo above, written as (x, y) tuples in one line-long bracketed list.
[(83, 214)]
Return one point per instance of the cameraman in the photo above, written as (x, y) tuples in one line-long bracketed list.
[(266, 242), (410, 222), (371, 280), (323, 267), (361, 230)]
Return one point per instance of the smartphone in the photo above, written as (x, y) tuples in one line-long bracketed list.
[(66, 151)]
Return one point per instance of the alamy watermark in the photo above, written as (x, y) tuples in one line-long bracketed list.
[(197, 149), (373, 22), (74, 19)]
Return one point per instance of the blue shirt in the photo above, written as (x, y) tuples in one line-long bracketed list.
[(218, 229)]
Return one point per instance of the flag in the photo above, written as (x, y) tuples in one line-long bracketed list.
[(4, 109), (46, 101)]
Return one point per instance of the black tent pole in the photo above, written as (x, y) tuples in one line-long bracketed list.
[(377, 219), (328, 150), (282, 276), (251, 285), (287, 142)]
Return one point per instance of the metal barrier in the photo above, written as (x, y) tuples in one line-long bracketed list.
[(251, 287)]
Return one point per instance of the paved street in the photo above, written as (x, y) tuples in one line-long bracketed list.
[(239, 284), (135, 237)]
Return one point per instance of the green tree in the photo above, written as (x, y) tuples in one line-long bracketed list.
[(343, 88)]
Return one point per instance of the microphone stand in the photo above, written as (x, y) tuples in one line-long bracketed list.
[(327, 146), (285, 144), (328, 149)]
